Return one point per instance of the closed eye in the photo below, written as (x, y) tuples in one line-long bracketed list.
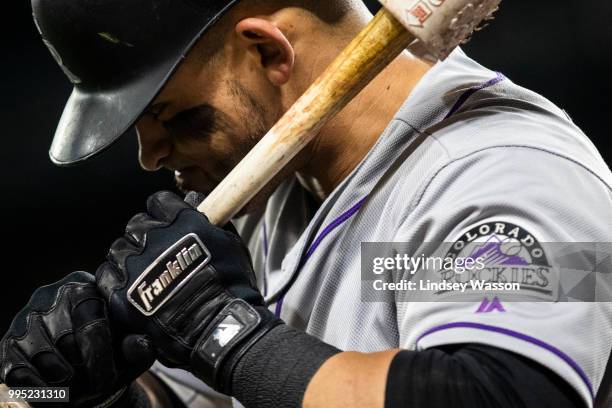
[(199, 121)]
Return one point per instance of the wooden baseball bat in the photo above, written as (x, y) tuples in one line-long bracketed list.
[(448, 23)]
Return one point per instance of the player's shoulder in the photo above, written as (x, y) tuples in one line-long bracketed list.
[(491, 146), (468, 110), (503, 124)]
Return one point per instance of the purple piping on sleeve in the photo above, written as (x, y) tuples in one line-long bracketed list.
[(466, 95), (279, 306), (519, 336), (313, 247)]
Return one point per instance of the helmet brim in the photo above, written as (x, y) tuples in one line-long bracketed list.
[(94, 119)]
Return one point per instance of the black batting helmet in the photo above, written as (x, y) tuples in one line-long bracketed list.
[(118, 54)]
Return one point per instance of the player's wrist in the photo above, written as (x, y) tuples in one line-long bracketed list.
[(277, 369), (227, 338), (251, 354)]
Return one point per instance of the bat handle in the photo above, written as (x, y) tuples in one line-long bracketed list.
[(365, 57), (14, 404)]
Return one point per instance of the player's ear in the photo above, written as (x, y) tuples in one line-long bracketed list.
[(269, 45)]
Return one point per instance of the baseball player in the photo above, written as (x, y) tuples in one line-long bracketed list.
[(274, 313)]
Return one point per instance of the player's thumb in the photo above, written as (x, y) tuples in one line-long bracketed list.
[(194, 199), (139, 354)]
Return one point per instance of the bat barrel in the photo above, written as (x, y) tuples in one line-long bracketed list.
[(440, 25)]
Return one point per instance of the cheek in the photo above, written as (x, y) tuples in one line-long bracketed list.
[(239, 129), (239, 125), (217, 154), (227, 147)]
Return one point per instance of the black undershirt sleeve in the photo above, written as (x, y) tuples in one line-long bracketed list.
[(474, 376)]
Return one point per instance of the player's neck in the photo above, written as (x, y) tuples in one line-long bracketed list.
[(343, 143)]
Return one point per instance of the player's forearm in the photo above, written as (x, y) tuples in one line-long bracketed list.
[(350, 379), (464, 376)]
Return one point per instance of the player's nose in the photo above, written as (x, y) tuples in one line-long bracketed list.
[(154, 143)]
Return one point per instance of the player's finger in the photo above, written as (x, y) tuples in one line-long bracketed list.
[(194, 199), (93, 337), (68, 347), (137, 228), (165, 206), (138, 354), (37, 349), (24, 377), (120, 250)]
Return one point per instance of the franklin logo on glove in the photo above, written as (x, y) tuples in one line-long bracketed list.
[(168, 273)]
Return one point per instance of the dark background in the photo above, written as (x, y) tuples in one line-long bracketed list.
[(59, 220)]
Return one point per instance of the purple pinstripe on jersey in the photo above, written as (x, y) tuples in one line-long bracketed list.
[(466, 95), (516, 335), (313, 247)]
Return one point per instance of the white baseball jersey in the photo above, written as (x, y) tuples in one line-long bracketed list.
[(469, 154)]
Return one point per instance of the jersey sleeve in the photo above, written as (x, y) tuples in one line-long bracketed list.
[(532, 218)]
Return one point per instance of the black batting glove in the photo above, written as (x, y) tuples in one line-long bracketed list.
[(189, 285), (63, 338)]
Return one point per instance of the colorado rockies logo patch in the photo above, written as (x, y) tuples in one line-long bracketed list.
[(509, 253), (167, 274)]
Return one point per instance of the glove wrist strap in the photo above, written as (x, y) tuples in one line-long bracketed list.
[(226, 339)]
